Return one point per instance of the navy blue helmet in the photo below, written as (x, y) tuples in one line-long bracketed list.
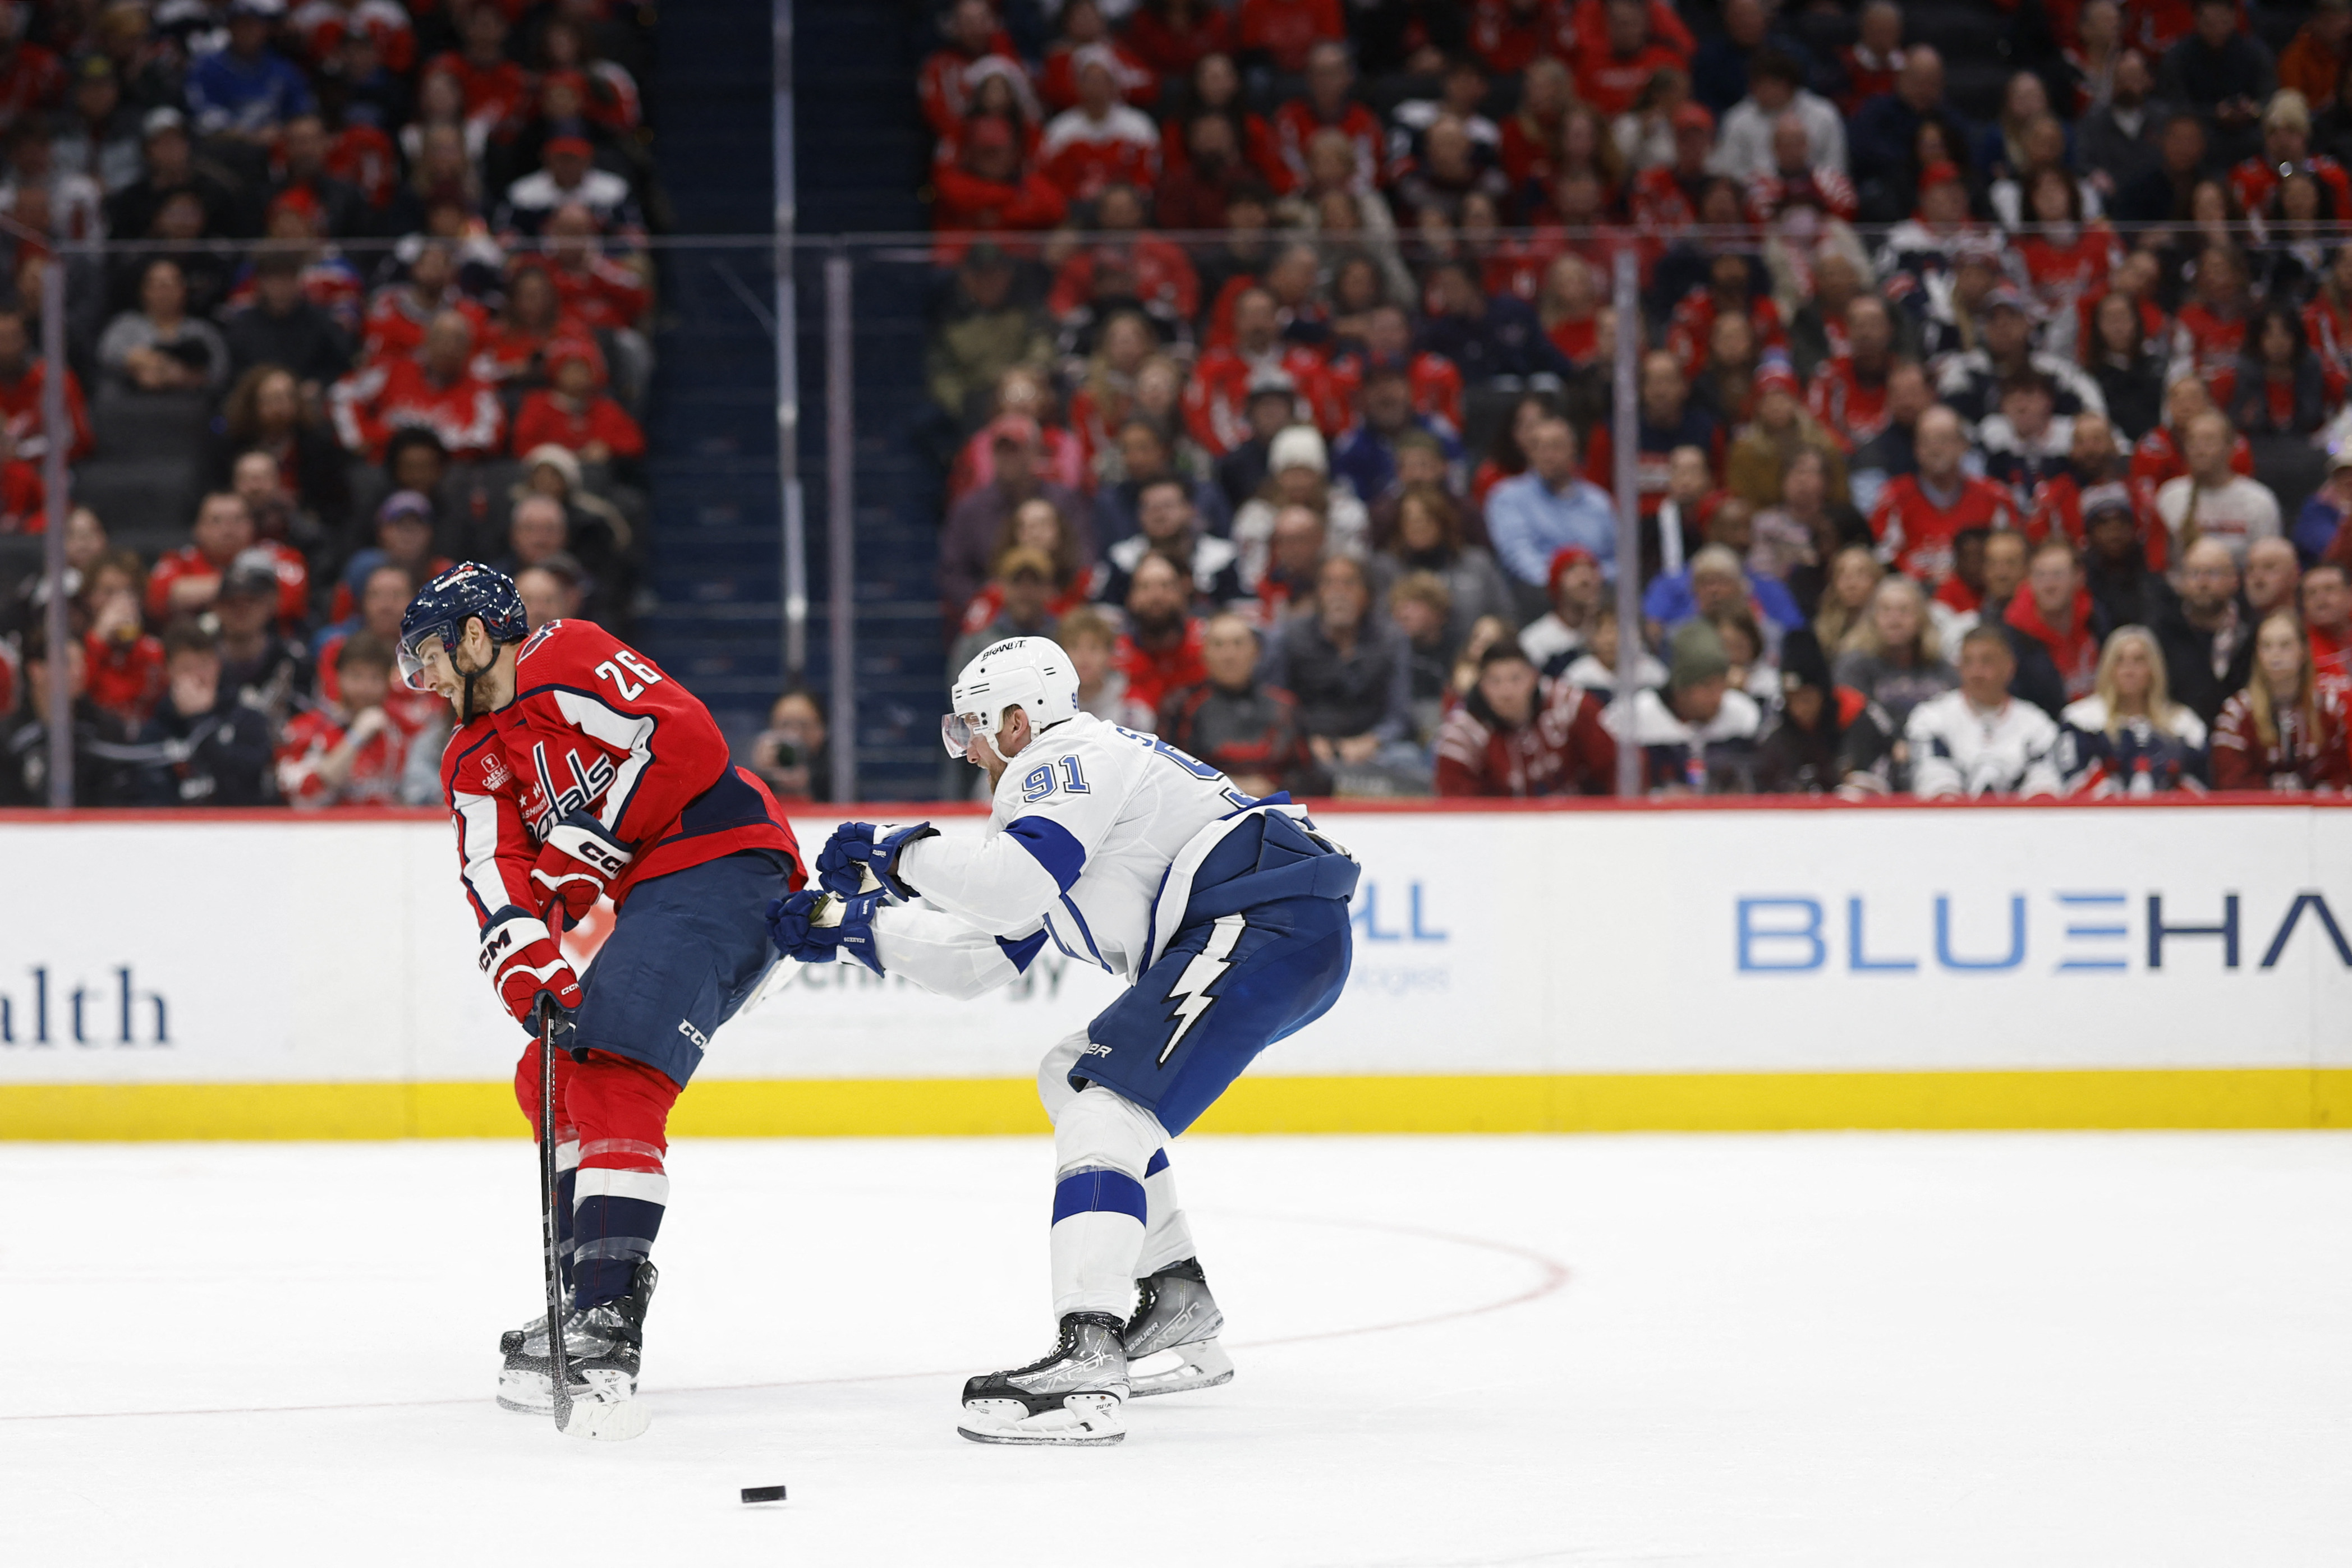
[(442, 607)]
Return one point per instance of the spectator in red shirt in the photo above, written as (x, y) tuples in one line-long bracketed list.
[(2285, 731), (354, 750), (1216, 401), (1085, 35), (2056, 611), (602, 293), (1173, 36), (2286, 149), (1612, 68), (1519, 736), (1161, 650), (1730, 289), (400, 312), (1848, 393), (987, 189), (2327, 617), (973, 34), (22, 377), (497, 91), (188, 579), (32, 78), (514, 341), (575, 413), (125, 664), (1918, 513), (438, 390), (1875, 60), (1328, 106), (1510, 35), (2158, 458), (1280, 34), (1101, 140), (2278, 387)]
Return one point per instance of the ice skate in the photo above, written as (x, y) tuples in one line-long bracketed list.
[(600, 1346), (1071, 1397), (1172, 1340)]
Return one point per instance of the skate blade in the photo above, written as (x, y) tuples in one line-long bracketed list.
[(1180, 1369), (603, 1423), (527, 1393), (1084, 1421)]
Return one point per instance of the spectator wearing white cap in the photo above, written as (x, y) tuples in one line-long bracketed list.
[(1299, 473)]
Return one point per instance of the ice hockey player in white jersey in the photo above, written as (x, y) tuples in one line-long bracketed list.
[(1980, 740), (1228, 916)]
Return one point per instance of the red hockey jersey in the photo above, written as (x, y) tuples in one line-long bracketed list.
[(1917, 534), (188, 561), (374, 402), (20, 412), (595, 726), (545, 420)]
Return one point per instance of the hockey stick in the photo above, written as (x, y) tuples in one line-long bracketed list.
[(558, 1367)]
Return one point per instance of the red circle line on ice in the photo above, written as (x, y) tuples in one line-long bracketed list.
[(1551, 1276)]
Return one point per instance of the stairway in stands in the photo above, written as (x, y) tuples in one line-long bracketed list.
[(716, 546)]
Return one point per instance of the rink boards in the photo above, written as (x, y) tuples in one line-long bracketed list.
[(1535, 969)]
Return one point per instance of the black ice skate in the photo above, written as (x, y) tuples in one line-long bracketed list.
[(1072, 1396), (601, 1347), (1172, 1340)]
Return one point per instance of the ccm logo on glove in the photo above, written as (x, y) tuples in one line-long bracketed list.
[(576, 866)]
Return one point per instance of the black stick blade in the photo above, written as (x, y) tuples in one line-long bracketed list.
[(764, 1494)]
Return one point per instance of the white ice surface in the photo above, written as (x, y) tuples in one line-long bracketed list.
[(1881, 1350)]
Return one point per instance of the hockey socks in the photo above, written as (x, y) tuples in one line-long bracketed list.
[(1102, 1143), (1166, 1238), (621, 1109), (567, 1142)]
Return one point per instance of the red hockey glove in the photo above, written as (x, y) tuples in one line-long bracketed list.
[(527, 970), (574, 866)]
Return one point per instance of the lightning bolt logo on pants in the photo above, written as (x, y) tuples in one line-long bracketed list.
[(1191, 994)]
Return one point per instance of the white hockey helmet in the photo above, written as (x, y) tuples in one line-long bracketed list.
[(1031, 673)]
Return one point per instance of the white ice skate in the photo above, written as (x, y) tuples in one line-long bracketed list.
[(1070, 1398)]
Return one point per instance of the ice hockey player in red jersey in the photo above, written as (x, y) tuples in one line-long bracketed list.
[(580, 770)]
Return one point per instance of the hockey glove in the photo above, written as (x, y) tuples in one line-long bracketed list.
[(858, 850), (528, 970), (815, 927), (579, 859)]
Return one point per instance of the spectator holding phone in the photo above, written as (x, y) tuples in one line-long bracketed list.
[(790, 754)]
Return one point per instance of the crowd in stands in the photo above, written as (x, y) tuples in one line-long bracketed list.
[(377, 272), (1999, 453)]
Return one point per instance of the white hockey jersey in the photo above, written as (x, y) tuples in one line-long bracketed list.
[(1958, 749), (1093, 836)]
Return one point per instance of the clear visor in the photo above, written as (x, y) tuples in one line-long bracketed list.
[(956, 730), (411, 663)]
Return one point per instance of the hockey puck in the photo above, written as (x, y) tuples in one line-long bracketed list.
[(764, 1494)]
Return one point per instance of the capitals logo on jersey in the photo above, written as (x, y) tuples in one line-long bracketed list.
[(547, 805)]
